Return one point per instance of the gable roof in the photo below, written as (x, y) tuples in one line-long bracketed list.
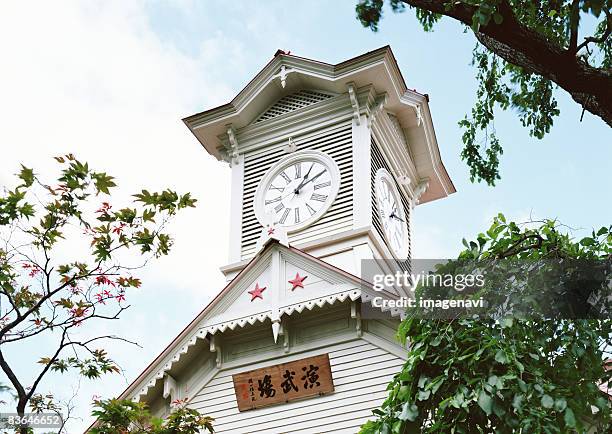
[(300, 72), (221, 313), (286, 74)]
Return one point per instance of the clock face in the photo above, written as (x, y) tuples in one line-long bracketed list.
[(392, 214), (297, 190)]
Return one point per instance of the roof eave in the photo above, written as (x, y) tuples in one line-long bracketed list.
[(230, 112)]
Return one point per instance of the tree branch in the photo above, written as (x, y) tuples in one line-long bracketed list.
[(573, 24), (521, 46), (12, 377), (591, 39), (55, 356)]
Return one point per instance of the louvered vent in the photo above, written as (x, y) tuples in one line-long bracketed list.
[(335, 141), (398, 128), (293, 102), (378, 161)]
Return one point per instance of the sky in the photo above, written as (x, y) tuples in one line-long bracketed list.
[(110, 81)]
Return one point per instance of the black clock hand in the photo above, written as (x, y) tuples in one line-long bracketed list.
[(395, 216), (306, 181), (314, 177), (297, 189)]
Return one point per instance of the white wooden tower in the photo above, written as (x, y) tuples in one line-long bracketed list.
[(328, 163)]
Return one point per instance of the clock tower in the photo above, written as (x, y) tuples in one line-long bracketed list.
[(335, 156), (328, 163)]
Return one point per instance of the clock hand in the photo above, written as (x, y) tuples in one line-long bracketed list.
[(297, 189), (306, 181), (395, 216), (314, 177)]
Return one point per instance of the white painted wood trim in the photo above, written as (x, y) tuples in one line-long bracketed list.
[(235, 235), (362, 205), (396, 350)]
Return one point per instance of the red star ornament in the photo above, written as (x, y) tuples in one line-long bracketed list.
[(256, 293), (297, 282)]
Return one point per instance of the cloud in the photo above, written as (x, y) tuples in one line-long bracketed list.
[(95, 79)]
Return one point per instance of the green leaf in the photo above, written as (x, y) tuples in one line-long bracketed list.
[(27, 210), (27, 176), (520, 366), (500, 357), (148, 215), (409, 412), (560, 404), (485, 402), (601, 403), (498, 409), (547, 401), (397, 427), (403, 393), (569, 418), (538, 388), (517, 402), (587, 241), (435, 385), (493, 380), (103, 182), (423, 379), (475, 23), (423, 395)]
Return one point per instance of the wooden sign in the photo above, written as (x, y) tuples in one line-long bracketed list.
[(283, 383)]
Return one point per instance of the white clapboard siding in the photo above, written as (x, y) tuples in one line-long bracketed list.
[(335, 141), (361, 372)]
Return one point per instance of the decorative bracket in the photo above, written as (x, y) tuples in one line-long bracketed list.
[(276, 328), (282, 74), (419, 115), (170, 389), (216, 348), (279, 328), (356, 315), (354, 102), (420, 189), (232, 146), (377, 108)]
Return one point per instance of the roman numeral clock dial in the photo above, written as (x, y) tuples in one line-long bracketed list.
[(392, 214), (298, 190)]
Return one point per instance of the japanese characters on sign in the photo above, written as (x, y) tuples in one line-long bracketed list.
[(282, 383)]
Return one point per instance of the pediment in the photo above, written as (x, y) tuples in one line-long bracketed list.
[(294, 282), (294, 101), (279, 281)]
